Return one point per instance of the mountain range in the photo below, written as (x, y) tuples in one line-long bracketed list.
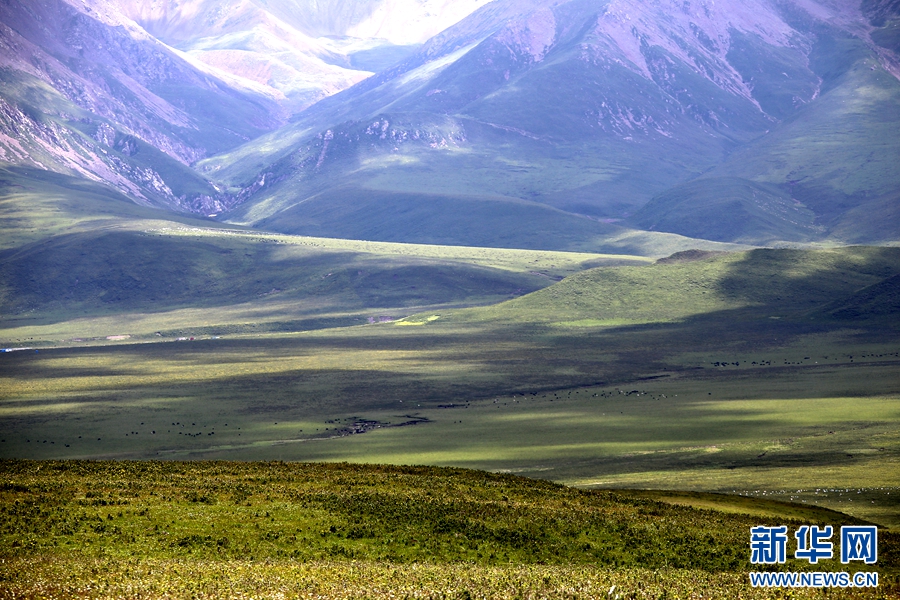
[(554, 124)]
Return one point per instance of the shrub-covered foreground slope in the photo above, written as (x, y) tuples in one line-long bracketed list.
[(203, 530)]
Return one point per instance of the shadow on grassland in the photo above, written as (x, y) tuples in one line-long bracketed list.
[(799, 281), (112, 272)]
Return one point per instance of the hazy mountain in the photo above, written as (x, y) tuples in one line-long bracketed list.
[(597, 109), (132, 93), (532, 123), (299, 51), (86, 92), (828, 170)]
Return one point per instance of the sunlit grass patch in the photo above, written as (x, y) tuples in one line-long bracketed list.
[(424, 321)]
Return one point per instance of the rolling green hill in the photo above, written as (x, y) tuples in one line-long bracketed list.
[(126, 271), (79, 260), (765, 281)]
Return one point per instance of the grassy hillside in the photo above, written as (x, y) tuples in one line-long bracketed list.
[(79, 260), (421, 178), (837, 154), (36, 205), (48, 134), (729, 209), (872, 219), (230, 529), (761, 282), (394, 213), (826, 172)]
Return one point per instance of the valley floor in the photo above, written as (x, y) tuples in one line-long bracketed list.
[(761, 376)]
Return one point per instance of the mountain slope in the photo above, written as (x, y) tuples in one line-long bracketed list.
[(834, 160), (91, 94), (297, 51), (728, 208), (561, 125), (596, 110)]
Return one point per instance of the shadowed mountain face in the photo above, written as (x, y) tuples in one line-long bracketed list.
[(756, 122)]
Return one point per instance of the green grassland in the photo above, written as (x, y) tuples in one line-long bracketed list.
[(770, 372), (219, 529), (678, 401)]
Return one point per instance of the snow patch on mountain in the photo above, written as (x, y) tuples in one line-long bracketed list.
[(404, 22)]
